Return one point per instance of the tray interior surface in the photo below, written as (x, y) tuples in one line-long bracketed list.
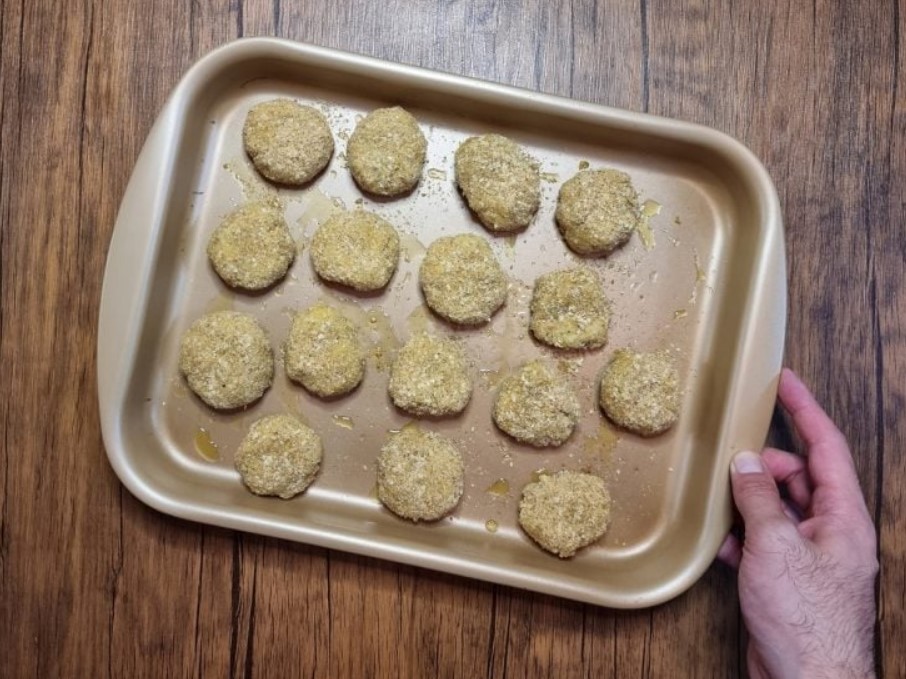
[(687, 294)]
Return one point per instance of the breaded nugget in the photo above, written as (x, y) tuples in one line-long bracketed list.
[(500, 182), (252, 247), (386, 152), (640, 391), (323, 352), (536, 405), (227, 359), (429, 377), (569, 310), (357, 249), (288, 143), (461, 279), (419, 475), (565, 511), (279, 456), (597, 211)]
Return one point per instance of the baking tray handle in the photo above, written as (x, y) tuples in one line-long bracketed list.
[(126, 288)]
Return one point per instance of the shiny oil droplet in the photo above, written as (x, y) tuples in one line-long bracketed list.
[(680, 313), (603, 442), (499, 487), (491, 526), (411, 246), (435, 173), (343, 421), (205, 447), (317, 207), (219, 303), (650, 208), (700, 276), (538, 473)]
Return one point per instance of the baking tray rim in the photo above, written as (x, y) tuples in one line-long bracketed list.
[(121, 320)]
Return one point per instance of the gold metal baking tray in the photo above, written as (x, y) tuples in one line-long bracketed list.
[(707, 283)]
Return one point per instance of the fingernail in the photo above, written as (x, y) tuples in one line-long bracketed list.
[(747, 462)]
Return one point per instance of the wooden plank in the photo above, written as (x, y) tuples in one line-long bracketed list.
[(890, 298), (367, 612), (58, 541)]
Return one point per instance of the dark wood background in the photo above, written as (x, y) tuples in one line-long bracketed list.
[(93, 583)]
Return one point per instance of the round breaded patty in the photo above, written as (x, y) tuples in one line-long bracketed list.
[(357, 249), (386, 152), (569, 310), (500, 182), (429, 377), (227, 359), (419, 475), (287, 142), (640, 391), (323, 352), (252, 247), (565, 511), (279, 456), (536, 405), (461, 279), (597, 211)]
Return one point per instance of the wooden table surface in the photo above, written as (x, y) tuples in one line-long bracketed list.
[(94, 583)]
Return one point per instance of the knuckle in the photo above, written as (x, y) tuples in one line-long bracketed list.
[(755, 486)]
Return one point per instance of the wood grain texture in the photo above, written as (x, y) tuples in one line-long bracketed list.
[(93, 583)]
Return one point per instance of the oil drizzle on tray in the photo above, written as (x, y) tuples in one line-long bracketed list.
[(317, 206), (253, 187), (343, 421), (538, 473), (411, 246), (205, 446), (649, 209), (603, 443), (499, 487), (491, 526), (491, 378)]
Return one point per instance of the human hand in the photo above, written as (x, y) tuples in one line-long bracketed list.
[(807, 566)]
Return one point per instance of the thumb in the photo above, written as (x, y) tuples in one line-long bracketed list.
[(755, 492)]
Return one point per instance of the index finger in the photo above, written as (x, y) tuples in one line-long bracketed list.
[(830, 462)]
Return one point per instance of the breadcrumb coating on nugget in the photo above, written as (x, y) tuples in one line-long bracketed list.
[(500, 182), (280, 455)]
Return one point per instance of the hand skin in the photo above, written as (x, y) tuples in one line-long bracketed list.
[(807, 565)]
